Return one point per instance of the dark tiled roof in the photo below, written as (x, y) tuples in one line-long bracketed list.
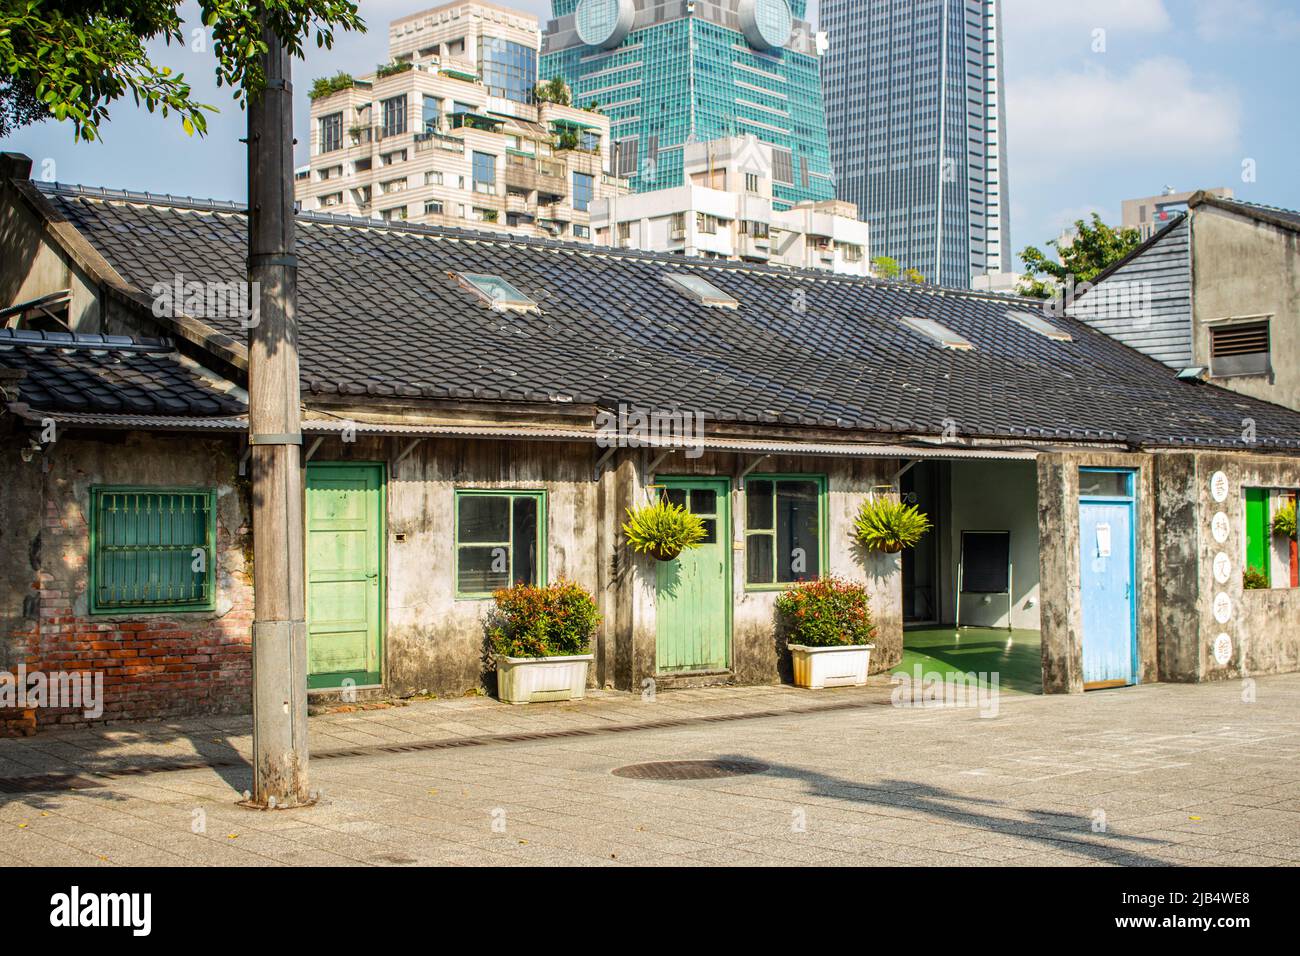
[(1288, 218), (1290, 215), (380, 316), (62, 372)]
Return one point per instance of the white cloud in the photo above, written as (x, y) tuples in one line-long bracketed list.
[(1216, 20), (1156, 111), (1057, 17)]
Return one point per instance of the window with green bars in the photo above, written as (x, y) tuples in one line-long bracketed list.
[(152, 549)]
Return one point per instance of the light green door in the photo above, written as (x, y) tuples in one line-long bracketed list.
[(345, 564), (693, 592)]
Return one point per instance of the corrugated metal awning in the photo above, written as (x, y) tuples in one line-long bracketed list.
[(323, 427)]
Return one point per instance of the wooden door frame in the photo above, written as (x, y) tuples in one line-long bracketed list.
[(382, 609), (728, 563), (1129, 501)]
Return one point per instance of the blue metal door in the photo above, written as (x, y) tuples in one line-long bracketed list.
[(1106, 571)]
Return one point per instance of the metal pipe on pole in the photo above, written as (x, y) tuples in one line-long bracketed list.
[(275, 439)]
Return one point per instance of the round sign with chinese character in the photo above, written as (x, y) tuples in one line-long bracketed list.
[(1222, 568), (1219, 487), (1220, 527), (1222, 608), (1223, 649)]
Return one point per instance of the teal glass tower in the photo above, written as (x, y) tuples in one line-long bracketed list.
[(670, 72)]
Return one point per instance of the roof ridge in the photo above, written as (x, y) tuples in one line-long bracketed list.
[(99, 341), (457, 233), (1262, 205)]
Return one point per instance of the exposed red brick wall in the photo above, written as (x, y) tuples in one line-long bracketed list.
[(154, 666)]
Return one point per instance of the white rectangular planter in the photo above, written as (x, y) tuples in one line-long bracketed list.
[(526, 680), (816, 667)]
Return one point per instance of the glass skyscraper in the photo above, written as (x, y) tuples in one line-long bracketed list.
[(917, 132), (669, 72)]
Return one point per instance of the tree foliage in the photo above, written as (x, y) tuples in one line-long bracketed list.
[(1096, 247), (71, 59), (886, 267), (554, 90)]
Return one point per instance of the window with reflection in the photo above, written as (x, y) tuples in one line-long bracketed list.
[(500, 540), (784, 529)]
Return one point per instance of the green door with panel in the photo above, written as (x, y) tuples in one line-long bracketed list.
[(345, 569), (693, 591)]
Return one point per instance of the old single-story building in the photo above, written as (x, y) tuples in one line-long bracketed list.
[(1215, 294), (480, 409)]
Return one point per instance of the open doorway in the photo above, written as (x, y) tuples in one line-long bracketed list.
[(979, 567)]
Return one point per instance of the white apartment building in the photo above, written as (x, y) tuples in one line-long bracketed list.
[(449, 133), (725, 212)]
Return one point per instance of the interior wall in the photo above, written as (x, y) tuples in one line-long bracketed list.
[(993, 496)]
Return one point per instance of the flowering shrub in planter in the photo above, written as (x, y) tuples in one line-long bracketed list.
[(541, 636), (828, 627)]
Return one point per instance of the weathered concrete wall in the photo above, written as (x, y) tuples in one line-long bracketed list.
[(154, 665), (1062, 613), (1245, 268), (1262, 627), (1178, 541), (435, 642), (757, 656)]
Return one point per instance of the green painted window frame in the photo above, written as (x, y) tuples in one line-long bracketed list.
[(1257, 540), (823, 527), (539, 495), (97, 493)]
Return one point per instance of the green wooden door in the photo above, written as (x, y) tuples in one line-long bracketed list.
[(345, 564), (693, 592), (1259, 532)]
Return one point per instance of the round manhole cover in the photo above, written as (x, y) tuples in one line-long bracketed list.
[(689, 769)]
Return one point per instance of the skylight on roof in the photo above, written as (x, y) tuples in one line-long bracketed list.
[(496, 291), (940, 334), (1040, 325), (701, 290)]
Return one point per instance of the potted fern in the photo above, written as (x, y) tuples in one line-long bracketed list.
[(828, 628), (663, 530), (1284, 522), (885, 523), (541, 637)]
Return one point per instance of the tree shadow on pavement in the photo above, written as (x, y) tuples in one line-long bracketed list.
[(1056, 831)]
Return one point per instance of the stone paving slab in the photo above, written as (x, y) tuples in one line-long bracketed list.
[(1159, 775)]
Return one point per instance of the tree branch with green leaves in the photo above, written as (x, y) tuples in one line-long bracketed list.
[(70, 60), (1095, 248)]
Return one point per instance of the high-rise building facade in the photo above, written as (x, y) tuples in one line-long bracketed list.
[(672, 72), (915, 91)]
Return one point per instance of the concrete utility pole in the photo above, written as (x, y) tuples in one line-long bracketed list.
[(275, 439)]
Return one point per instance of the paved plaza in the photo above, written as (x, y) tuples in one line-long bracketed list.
[(1155, 775)]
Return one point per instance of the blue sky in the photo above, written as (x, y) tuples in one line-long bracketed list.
[(1170, 92)]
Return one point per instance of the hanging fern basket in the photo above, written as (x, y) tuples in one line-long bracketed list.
[(663, 552), (663, 530), (887, 525)]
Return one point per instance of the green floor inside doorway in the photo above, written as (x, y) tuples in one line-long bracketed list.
[(1013, 655)]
